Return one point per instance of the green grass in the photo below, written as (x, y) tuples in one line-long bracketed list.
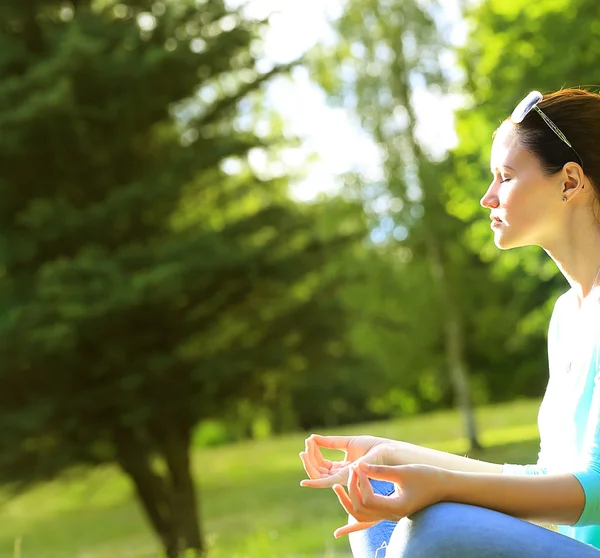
[(251, 501)]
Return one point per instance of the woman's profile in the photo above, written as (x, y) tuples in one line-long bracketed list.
[(407, 501)]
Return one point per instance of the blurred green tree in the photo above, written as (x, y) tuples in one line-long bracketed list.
[(386, 52), (151, 275)]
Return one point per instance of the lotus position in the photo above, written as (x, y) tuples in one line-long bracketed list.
[(406, 501)]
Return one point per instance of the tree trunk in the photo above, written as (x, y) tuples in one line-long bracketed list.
[(79, 4), (169, 502), (452, 326), (31, 29), (459, 376), (135, 459), (175, 444), (453, 343)]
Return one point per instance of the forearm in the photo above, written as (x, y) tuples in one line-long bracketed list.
[(556, 499), (403, 453)]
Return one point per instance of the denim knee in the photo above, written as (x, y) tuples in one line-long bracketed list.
[(440, 530), (452, 530)]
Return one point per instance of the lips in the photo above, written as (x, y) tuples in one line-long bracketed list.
[(496, 222)]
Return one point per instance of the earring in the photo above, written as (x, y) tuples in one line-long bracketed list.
[(565, 199)]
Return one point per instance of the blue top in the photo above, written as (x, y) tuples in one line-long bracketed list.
[(569, 415)]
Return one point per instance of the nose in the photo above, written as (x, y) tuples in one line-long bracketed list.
[(490, 198)]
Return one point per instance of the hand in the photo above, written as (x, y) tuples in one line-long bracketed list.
[(324, 473), (417, 486)]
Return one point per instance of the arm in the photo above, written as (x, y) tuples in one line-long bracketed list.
[(403, 453), (556, 499), (323, 473), (548, 492), (552, 498)]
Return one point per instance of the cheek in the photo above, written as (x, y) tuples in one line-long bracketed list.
[(518, 204), (524, 204), (508, 194)]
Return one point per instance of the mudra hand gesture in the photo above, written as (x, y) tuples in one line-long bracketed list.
[(324, 473), (417, 486)]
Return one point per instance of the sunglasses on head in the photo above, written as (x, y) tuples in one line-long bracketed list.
[(530, 103)]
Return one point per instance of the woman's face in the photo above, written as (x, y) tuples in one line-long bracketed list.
[(524, 203)]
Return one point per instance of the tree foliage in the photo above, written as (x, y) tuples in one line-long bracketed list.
[(150, 277), (387, 55)]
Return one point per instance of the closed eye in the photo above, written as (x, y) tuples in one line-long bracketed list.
[(498, 175)]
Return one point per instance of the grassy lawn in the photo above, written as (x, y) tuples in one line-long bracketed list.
[(251, 502)]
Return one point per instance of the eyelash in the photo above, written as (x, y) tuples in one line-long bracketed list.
[(503, 180)]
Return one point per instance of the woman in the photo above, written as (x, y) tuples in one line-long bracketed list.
[(545, 191)]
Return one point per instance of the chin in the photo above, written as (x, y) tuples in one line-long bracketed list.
[(505, 242)]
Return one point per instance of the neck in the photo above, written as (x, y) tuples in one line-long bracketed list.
[(577, 255)]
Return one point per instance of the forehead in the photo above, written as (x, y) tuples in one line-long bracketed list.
[(505, 147)]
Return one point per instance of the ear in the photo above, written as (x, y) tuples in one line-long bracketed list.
[(573, 180)]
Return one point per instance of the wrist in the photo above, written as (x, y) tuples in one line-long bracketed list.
[(399, 453), (437, 482), (446, 484)]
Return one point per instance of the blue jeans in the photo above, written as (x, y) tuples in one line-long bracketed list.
[(448, 530)]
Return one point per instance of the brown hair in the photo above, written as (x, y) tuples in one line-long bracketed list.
[(576, 112)]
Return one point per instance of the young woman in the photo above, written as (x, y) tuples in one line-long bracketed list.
[(405, 501)]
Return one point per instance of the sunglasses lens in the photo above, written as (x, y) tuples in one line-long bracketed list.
[(523, 108)]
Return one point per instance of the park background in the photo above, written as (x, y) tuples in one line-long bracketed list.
[(223, 228)]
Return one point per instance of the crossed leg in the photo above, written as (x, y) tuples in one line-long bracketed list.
[(449, 530)]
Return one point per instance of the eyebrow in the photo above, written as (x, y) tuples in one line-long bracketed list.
[(504, 166)]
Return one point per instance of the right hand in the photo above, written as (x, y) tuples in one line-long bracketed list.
[(324, 473)]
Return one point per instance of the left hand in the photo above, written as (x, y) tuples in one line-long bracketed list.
[(324, 473), (417, 486)]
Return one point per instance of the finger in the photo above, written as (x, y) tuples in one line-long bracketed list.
[(382, 472), (353, 527), (332, 442), (354, 490), (347, 505), (344, 500), (309, 467), (323, 482), (382, 506), (365, 489), (316, 457), (313, 450)]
